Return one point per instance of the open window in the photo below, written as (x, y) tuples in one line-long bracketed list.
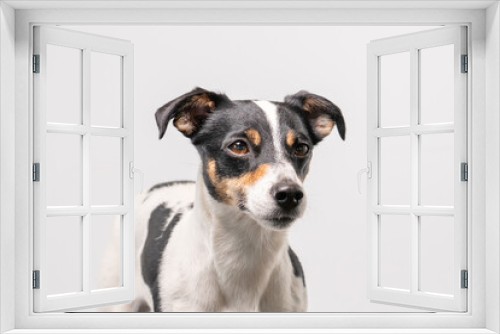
[(83, 147), (417, 150)]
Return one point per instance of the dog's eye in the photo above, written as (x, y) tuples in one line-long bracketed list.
[(239, 147), (301, 150)]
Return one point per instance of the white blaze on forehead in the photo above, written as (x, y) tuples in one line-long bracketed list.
[(271, 112)]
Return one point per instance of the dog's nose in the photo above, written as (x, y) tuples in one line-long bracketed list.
[(288, 195)]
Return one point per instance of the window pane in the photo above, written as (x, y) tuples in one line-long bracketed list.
[(436, 254), (437, 169), (106, 251), (106, 170), (437, 84), (105, 89), (64, 255), (63, 85), (395, 170), (395, 252), (64, 170), (395, 90)]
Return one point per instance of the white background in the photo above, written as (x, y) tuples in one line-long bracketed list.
[(269, 63)]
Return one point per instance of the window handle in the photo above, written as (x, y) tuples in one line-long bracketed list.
[(133, 170), (368, 171)]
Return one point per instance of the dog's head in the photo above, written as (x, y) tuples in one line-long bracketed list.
[(255, 154)]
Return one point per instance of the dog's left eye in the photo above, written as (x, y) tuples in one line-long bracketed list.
[(301, 150), (239, 147)]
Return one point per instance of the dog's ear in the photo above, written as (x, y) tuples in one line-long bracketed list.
[(321, 114), (189, 111)]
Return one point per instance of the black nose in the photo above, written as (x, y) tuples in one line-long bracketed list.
[(287, 195)]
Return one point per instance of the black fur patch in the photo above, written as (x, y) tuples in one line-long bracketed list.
[(297, 266), (154, 248), (168, 184)]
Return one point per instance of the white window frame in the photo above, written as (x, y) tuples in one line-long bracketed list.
[(484, 147)]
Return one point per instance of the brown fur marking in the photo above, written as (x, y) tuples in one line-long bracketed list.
[(187, 121), (312, 104), (323, 126), (253, 135), (290, 138), (183, 123), (231, 189), (203, 100)]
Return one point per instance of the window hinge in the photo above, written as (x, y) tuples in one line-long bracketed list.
[(36, 279), (465, 279), (465, 64), (36, 63), (464, 171), (36, 172)]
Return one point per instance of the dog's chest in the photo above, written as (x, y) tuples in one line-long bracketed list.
[(244, 260), (214, 269)]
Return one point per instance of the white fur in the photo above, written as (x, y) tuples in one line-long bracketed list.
[(271, 111), (260, 201)]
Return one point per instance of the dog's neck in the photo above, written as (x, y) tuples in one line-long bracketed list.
[(244, 253)]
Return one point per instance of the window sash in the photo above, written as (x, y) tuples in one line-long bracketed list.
[(87, 298), (413, 43)]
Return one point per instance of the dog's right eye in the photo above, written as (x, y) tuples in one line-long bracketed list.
[(239, 147)]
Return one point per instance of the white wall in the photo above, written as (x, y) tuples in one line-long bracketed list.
[(7, 188), (269, 63)]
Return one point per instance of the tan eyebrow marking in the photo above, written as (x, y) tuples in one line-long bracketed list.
[(290, 138), (253, 135)]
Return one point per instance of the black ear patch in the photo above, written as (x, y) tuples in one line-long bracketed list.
[(189, 111), (321, 114)]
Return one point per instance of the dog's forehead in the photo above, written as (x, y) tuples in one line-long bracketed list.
[(268, 116)]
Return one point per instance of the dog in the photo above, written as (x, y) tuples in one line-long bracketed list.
[(220, 244)]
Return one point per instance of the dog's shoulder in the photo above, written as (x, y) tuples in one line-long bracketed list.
[(163, 207), (174, 193)]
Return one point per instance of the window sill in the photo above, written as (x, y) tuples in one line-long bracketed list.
[(248, 331), (257, 331)]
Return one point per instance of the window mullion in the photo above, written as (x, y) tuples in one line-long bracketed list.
[(414, 169)]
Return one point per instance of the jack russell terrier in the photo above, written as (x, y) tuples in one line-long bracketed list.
[(220, 244)]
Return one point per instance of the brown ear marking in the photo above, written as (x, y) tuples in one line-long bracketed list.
[(231, 189), (323, 126), (189, 111), (321, 113), (311, 104), (290, 137), (183, 123), (254, 136)]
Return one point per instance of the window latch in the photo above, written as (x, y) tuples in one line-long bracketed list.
[(133, 170), (368, 171)]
